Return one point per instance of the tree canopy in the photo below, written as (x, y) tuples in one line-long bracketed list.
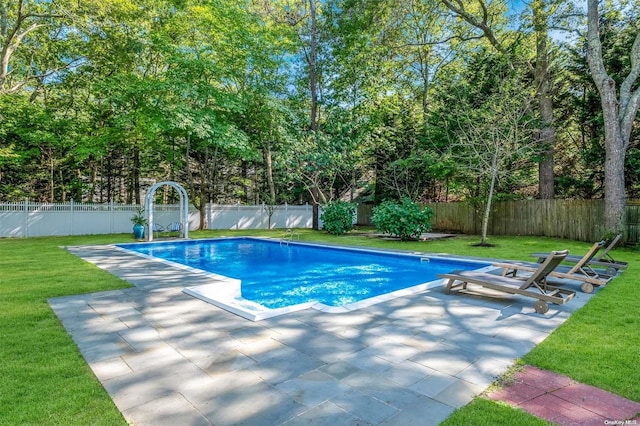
[(310, 101)]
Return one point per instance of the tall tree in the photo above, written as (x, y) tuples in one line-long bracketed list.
[(619, 113), (487, 17), (388, 56), (311, 55), (494, 138), (490, 130), (542, 79), (305, 16)]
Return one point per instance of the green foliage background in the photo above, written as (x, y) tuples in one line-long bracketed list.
[(99, 98)]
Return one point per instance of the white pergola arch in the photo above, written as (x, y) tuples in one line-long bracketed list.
[(184, 208)]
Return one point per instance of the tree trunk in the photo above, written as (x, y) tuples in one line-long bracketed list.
[(197, 201), (546, 135), (614, 182), (202, 208), (313, 86), (487, 209), (108, 171), (313, 56), (315, 216), (268, 164), (94, 181), (136, 175), (614, 195), (51, 177), (618, 116)]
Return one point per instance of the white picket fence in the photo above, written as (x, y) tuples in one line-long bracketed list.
[(30, 219)]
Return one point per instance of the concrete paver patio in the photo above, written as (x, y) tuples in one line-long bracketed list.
[(168, 358)]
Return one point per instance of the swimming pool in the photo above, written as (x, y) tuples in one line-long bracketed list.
[(277, 275)]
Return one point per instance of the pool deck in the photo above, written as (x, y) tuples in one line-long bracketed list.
[(168, 358)]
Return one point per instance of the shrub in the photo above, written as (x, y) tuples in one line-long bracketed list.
[(337, 217), (406, 220)]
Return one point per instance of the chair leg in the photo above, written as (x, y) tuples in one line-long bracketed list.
[(450, 285)]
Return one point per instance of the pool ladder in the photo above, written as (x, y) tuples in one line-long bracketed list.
[(288, 236)]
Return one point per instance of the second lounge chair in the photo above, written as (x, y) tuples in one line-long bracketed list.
[(581, 271), (601, 259)]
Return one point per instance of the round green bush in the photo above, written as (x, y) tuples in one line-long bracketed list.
[(405, 220), (337, 217)]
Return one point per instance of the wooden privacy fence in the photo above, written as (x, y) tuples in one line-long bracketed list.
[(633, 223), (581, 220)]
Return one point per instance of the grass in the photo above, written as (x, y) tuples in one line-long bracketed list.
[(45, 380), (600, 345), (484, 412)]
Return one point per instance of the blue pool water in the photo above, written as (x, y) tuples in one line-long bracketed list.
[(277, 275)]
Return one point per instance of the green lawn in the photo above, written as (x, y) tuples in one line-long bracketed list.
[(44, 379)]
